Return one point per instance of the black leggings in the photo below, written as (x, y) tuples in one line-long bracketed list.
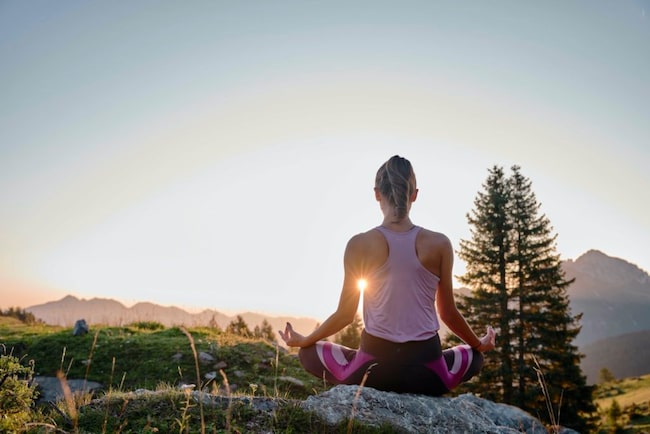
[(411, 367)]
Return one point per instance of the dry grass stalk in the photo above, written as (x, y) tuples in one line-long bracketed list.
[(356, 397), (555, 422), (229, 394), (198, 376)]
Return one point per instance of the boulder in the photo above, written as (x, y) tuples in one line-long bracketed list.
[(205, 358), (80, 328), (421, 414), (50, 389)]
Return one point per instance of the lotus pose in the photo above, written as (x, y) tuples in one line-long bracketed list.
[(406, 275)]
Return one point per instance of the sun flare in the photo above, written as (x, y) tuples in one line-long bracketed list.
[(361, 284)]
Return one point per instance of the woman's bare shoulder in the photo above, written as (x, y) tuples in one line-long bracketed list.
[(367, 238), (435, 238)]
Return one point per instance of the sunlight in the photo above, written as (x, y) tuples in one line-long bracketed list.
[(361, 284)]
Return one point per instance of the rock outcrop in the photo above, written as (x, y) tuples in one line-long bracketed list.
[(422, 414), (50, 389)]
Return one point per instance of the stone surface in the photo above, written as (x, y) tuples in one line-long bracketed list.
[(205, 358), (50, 389), (405, 413), (80, 328), (421, 414)]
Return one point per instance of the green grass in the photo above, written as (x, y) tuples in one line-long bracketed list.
[(626, 392), (633, 396), (131, 358), (128, 359), (148, 356)]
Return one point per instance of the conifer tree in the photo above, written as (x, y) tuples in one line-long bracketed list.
[(239, 327), (264, 331), (545, 327), (486, 257), (518, 285)]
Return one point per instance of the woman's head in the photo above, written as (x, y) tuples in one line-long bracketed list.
[(395, 182)]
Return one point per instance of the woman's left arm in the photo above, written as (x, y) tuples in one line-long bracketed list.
[(348, 300)]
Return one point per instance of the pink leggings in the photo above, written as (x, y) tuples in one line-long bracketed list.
[(412, 367)]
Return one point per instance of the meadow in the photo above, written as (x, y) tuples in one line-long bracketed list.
[(159, 379)]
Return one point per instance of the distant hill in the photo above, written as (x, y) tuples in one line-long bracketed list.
[(105, 311), (612, 294), (625, 356)]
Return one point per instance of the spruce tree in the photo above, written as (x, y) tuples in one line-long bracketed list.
[(525, 285), (486, 257)]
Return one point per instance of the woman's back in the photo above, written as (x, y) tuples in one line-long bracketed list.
[(429, 246), (399, 299)]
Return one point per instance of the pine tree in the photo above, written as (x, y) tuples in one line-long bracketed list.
[(486, 258), (518, 284), (545, 327), (264, 331), (239, 327)]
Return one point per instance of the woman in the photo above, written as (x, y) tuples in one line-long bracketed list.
[(407, 274)]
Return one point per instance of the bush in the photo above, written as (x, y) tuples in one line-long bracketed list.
[(16, 394), (20, 314), (148, 325)]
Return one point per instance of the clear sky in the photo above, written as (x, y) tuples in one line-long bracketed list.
[(212, 154)]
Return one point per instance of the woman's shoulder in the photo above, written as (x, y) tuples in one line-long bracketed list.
[(434, 238), (369, 236), (368, 240)]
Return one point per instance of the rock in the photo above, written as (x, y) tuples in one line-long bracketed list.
[(50, 389), (221, 365), (420, 414), (177, 357), (291, 380), (205, 358), (80, 328)]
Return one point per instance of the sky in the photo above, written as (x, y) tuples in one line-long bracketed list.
[(219, 155)]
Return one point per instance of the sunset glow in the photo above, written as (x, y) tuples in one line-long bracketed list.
[(362, 284), (221, 154)]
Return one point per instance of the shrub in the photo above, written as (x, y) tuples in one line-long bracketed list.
[(16, 394), (148, 325)]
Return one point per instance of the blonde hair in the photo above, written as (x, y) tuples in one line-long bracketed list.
[(395, 181)]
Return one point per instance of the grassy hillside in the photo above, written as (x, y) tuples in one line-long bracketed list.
[(253, 385), (627, 392), (146, 355), (632, 396), (145, 370)]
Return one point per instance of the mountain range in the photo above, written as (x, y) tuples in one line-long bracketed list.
[(612, 295), (68, 310)]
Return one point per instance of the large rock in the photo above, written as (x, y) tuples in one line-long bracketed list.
[(80, 328), (51, 390), (421, 414)]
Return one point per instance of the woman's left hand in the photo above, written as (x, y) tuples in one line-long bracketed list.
[(291, 337), (487, 341)]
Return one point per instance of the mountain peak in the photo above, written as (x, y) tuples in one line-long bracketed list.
[(592, 254), (69, 299), (612, 294), (615, 272)]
